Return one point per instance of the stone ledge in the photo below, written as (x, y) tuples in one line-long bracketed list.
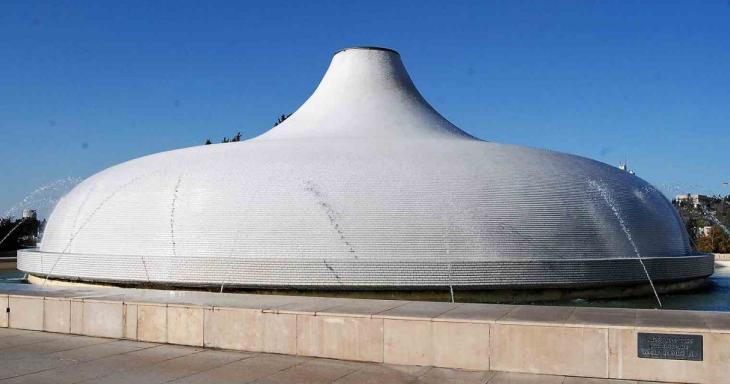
[(587, 342)]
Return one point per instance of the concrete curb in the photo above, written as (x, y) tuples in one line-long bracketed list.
[(587, 342)]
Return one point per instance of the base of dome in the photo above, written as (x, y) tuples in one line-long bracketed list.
[(361, 275), (499, 296)]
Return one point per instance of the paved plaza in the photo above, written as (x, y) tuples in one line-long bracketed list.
[(39, 357)]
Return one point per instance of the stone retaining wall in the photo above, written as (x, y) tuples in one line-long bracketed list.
[(589, 342)]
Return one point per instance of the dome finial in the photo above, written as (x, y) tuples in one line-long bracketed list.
[(369, 48)]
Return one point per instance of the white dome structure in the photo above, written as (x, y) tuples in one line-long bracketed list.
[(366, 186)]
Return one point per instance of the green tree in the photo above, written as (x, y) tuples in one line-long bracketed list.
[(717, 241)]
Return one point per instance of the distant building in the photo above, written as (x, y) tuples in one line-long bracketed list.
[(704, 231), (695, 200), (29, 214)]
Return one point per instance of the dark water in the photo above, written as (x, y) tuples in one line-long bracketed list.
[(715, 298), (11, 276)]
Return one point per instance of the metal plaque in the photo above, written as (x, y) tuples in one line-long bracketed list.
[(670, 346)]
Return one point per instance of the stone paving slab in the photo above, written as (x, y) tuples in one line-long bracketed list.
[(80, 359), (172, 369), (245, 370), (307, 306), (54, 346), (361, 308), (613, 317), (417, 309), (537, 315), (476, 313), (20, 338)]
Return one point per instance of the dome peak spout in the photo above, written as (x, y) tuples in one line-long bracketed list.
[(366, 92)]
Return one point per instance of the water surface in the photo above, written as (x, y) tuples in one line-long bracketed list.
[(11, 276), (716, 297)]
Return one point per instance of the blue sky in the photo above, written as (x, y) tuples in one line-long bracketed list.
[(86, 85)]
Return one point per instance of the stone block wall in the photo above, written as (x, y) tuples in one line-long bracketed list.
[(586, 342)]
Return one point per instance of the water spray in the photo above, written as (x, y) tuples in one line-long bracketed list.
[(12, 230), (45, 196), (448, 258), (604, 194)]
